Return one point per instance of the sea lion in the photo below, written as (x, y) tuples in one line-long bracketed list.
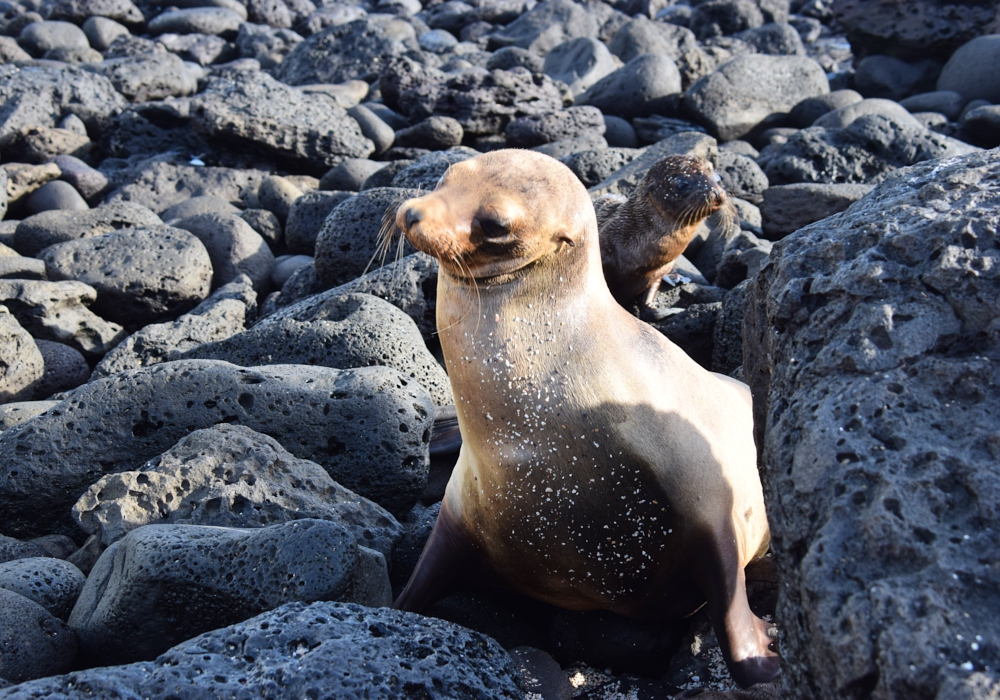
[(643, 236), (601, 467)]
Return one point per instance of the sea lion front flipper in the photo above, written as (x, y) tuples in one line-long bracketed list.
[(446, 565), (744, 638)]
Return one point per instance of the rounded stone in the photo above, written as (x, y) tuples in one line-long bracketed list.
[(55, 195), (52, 583), (204, 204), (39, 37), (380, 133), (33, 642), (579, 63), (636, 89), (276, 194), (21, 363), (434, 133), (218, 21), (350, 174), (141, 275), (65, 368), (101, 31), (233, 247), (306, 217), (972, 70), (437, 41), (285, 266)]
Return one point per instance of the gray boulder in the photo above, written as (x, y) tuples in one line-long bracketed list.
[(141, 275), (229, 476), (640, 87), (358, 235), (218, 21), (354, 330), (253, 110), (55, 195), (88, 181), (537, 129), (226, 312), (551, 23), (39, 37), (79, 11), (65, 368), (641, 35), (863, 152), (52, 583), (745, 94), (337, 649), (21, 268), (234, 248), (774, 39), (205, 204), (58, 311), (159, 185), (40, 144), (483, 102), (306, 217), (33, 642), (787, 208), (434, 134), (50, 227), (42, 96), (152, 76), (844, 116), (741, 176), (409, 284), (367, 427), (163, 584), (12, 549), (725, 17), (868, 345), (579, 63), (424, 172), (21, 364), (355, 50), (971, 70)]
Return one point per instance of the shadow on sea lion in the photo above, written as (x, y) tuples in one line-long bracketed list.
[(600, 468)]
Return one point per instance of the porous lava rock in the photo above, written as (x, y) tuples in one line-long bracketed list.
[(871, 344)]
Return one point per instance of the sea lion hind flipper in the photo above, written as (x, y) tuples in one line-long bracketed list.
[(446, 565), (745, 640)]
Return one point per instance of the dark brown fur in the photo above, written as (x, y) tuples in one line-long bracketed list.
[(641, 238)]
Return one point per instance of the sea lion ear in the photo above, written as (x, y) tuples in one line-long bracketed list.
[(564, 237)]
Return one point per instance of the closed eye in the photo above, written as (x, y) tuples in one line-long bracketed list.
[(492, 228)]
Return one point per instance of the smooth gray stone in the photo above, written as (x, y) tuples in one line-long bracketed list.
[(162, 585), (266, 224), (549, 24), (971, 70), (39, 37), (226, 312), (424, 172), (142, 275), (325, 649), (234, 248), (373, 128), (219, 21), (774, 39), (21, 363), (88, 181), (894, 79), (434, 133), (55, 196), (356, 330), (806, 112), (787, 208), (19, 267), (277, 195), (367, 427), (638, 88), (65, 368), (285, 266), (579, 63), (641, 36), (52, 583), (350, 174), (33, 642), (101, 31), (152, 76), (946, 102), (205, 204), (78, 11), (58, 311)]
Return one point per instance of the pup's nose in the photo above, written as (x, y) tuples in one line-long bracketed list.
[(412, 217)]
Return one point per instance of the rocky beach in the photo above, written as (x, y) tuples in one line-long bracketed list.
[(223, 399)]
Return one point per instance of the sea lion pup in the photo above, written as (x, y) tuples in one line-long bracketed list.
[(642, 237), (601, 467)]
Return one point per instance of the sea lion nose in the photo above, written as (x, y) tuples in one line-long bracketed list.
[(412, 217)]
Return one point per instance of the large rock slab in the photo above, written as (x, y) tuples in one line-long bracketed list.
[(913, 30), (141, 275), (871, 345), (58, 311), (163, 584), (224, 313), (353, 330), (326, 649), (352, 51), (21, 363), (751, 90), (230, 476), (359, 234), (252, 110), (43, 96), (369, 428), (33, 642), (50, 227), (862, 152)]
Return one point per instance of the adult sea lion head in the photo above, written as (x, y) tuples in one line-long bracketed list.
[(495, 216)]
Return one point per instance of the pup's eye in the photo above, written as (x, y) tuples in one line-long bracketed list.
[(492, 228)]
